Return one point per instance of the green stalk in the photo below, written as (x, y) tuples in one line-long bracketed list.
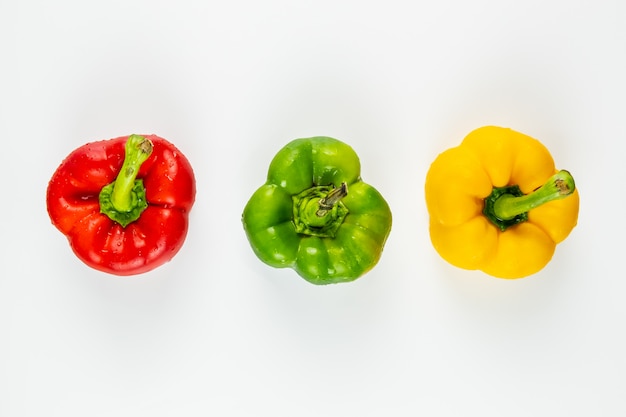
[(507, 206), (125, 199), (318, 211), (327, 203)]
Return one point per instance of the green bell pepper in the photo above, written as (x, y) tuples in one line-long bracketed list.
[(315, 214)]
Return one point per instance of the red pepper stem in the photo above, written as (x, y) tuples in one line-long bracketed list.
[(124, 200), (558, 186), (137, 150)]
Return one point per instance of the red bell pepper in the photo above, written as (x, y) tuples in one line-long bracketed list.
[(123, 203)]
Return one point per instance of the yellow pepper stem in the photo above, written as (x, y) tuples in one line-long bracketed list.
[(507, 206)]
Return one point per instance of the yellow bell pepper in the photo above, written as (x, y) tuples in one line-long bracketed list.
[(497, 203)]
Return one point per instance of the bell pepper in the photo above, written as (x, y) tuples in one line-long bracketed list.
[(315, 214), (123, 203), (497, 203)]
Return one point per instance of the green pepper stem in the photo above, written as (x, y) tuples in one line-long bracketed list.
[(558, 186), (327, 203), (319, 211), (137, 150)]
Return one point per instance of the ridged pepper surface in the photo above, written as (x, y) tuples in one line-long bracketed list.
[(497, 203), (315, 214), (123, 203)]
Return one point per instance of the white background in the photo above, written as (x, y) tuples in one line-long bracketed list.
[(217, 333)]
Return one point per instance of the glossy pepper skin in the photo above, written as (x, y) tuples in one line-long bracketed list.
[(80, 209), (284, 224), (462, 188)]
